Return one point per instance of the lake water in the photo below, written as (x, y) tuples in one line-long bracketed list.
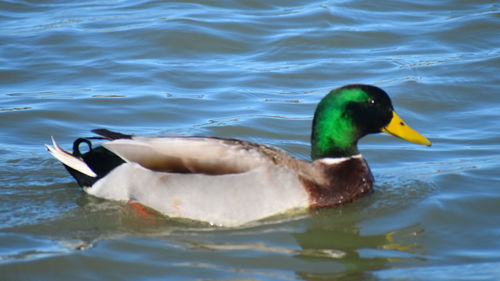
[(253, 70)]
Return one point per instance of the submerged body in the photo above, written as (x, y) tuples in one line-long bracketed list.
[(232, 182)]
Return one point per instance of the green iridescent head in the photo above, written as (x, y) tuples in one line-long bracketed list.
[(348, 113)]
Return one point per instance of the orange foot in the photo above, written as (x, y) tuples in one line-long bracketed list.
[(140, 209)]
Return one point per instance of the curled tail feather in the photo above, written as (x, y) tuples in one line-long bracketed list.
[(89, 167), (69, 159)]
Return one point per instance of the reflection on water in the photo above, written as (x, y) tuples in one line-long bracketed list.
[(331, 245), (324, 249)]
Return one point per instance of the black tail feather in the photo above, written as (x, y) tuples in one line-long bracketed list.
[(99, 159), (76, 146), (110, 134)]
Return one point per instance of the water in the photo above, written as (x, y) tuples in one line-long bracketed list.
[(252, 70)]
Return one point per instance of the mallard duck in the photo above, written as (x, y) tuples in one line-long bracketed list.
[(231, 182)]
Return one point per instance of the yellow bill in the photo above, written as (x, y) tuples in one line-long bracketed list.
[(397, 127)]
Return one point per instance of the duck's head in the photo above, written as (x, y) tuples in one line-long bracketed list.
[(348, 113)]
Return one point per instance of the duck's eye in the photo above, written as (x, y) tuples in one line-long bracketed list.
[(372, 102)]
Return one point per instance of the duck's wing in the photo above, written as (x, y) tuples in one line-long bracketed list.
[(204, 155)]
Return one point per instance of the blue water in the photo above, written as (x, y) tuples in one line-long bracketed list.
[(253, 70)]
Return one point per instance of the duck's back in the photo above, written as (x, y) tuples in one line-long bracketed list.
[(203, 155)]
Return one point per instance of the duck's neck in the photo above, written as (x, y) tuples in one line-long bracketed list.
[(333, 134), (331, 148)]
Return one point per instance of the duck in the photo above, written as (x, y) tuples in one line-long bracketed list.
[(232, 182)]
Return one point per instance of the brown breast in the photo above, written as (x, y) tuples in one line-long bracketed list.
[(340, 182)]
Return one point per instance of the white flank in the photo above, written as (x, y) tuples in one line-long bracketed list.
[(69, 160)]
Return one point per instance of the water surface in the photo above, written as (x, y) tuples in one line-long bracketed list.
[(252, 70)]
